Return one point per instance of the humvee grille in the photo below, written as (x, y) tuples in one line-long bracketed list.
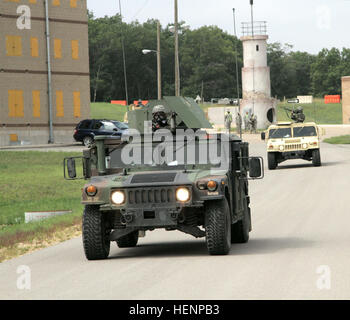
[(154, 195), (164, 177), (293, 146)]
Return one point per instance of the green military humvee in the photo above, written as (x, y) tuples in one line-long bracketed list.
[(124, 199)]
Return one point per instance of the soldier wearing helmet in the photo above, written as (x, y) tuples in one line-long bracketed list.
[(298, 115), (159, 118)]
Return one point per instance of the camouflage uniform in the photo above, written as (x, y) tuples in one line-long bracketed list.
[(253, 123), (239, 123), (228, 121), (246, 121)]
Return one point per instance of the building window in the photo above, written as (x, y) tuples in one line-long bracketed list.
[(75, 49), (14, 46), (36, 104), (73, 3), (57, 45), (56, 3), (76, 98), (59, 104), (34, 47), (15, 103)]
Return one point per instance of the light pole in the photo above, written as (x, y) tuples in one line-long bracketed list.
[(237, 76), (159, 64)]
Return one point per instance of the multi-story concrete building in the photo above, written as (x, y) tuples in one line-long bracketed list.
[(43, 57)]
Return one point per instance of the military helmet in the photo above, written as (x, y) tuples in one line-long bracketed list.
[(158, 108), (300, 109)]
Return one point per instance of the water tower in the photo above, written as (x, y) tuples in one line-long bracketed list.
[(256, 82)]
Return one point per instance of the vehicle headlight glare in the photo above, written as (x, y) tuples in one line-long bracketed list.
[(281, 148), (305, 146), (182, 194), (118, 197)]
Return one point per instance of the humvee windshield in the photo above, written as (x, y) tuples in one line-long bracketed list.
[(280, 133), (307, 131), (170, 156)]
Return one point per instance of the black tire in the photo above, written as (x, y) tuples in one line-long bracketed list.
[(95, 234), (88, 141), (316, 157), (271, 160), (218, 227), (240, 230), (128, 241)]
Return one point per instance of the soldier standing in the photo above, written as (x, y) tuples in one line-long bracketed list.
[(246, 121), (228, 121), (253, 123), (239, 123)]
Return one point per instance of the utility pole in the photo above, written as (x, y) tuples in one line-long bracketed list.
[(177, 64), (124, 62), (252, 18), (159, 64)]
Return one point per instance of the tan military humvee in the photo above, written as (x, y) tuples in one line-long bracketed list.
[(288, 140)]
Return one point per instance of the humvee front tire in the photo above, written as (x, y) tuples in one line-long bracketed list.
[(240, 230), (95, 234), (316, 158), (271, 160), (218, 227), (128, 241)]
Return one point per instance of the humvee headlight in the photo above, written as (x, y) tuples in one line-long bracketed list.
[(281, 148), (212, 185), (182, 194), (305, 146), (118, 197)]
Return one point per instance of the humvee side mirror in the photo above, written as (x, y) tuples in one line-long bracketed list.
[(72, 172), (263, 136), (256, 170)]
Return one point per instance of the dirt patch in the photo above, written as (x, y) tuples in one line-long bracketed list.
[(47, 240)]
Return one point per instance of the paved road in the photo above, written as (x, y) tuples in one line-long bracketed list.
[(301, 223)]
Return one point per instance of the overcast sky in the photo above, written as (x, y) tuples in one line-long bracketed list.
[(309, 25)]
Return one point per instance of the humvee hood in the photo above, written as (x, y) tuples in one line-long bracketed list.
[(151, 178)]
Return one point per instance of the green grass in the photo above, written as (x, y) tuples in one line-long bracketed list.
[(339, 140), (318, 112), (33, 181), (102, 110)]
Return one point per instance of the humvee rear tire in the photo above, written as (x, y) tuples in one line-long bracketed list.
[(240, 230), (271, 160), (218, 227), (316, 158), (128, 241), (95, 234)]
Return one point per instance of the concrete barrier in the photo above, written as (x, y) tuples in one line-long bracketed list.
[(41, 215)]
